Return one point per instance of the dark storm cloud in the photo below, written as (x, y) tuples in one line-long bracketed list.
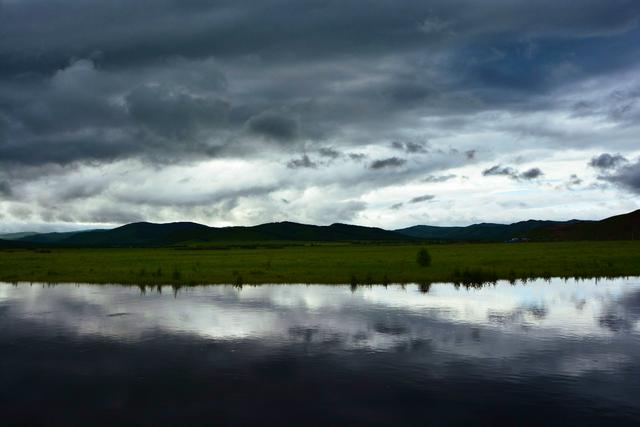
[(123, 32), (94, 84), (329, 152), (79, 189), (50, 98), (273, 125), (357, 157), (607, 161), (532, 173), (409, 147), (64, 149), (174, 115), (499, 170), (397, 145), (391, 162), (5, 189), (302, 162), (574, 180), (421, 199), (187, 203), (627, 177), (85, 114), (617, 169)]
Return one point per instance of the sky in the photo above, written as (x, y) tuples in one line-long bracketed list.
[(384, 113)]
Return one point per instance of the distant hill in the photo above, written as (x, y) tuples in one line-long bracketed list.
[(11, 244), (621, 227), (333, 232), (148, 234), (49, 238), (6, 244), (480, 232), (17, 236), (138, 234)]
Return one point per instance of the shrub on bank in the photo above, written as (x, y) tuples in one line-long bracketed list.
[(424, 258)]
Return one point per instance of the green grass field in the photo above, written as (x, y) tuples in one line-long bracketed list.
[(328, 264)]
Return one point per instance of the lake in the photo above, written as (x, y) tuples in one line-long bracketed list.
[(539, 353)]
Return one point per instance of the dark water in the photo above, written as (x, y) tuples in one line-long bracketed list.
[(558, 353)]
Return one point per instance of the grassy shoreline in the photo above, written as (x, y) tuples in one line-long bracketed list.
[(326, 264)]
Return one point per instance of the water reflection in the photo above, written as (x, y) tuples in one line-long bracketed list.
[(297, 354)]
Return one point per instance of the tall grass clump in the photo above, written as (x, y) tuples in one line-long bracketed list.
[(423, 258)]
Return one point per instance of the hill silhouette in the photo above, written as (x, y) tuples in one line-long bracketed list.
[(481, 232), (149, 234), (16, 236), (620, 227), (13, 244), (49, 238)]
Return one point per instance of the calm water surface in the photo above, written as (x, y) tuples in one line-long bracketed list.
[(541, 353)]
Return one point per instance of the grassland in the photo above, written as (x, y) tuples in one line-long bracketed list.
[(328, 263)]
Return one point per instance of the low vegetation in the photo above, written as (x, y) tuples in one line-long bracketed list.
[(325, 263), (424, 258)]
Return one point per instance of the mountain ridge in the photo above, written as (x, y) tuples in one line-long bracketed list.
[(619, 227), (174, 233)]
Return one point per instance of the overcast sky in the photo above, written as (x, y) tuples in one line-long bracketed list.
[(383, 112)]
